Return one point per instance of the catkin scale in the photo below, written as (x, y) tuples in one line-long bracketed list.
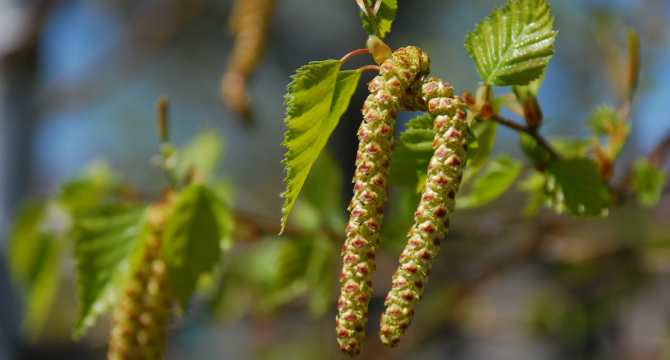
[(142, 313), (437, 202), (375, 136)]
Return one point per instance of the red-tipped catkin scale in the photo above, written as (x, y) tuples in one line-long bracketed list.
[(367, 206), (431, 220)]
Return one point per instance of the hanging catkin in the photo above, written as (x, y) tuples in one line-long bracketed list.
[(142, 314), (437, 203), (396, 74), (250, 24)]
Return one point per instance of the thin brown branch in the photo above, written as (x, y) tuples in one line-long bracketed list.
[(528, 130), (355, 52)]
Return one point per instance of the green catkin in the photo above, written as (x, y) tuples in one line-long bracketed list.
[(142, 313), (376, 132), (437, 203)]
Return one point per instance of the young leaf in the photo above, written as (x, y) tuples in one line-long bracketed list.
[(576, 187), (536, 153), (192, 239), (534, 186), (34, 261), (513, 45), (605, 120), (105, 242), (648, 182), (323, 191), (530, 90), (85, 191), (385, 17), (485, 133), (317, 98), (415, 148), (497, 177), (201, 154)]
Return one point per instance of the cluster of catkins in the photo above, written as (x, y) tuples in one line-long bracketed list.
[(402, 84), (142, 314)]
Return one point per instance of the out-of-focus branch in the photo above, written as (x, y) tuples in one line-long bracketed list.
[(526, 129), (250, 24)]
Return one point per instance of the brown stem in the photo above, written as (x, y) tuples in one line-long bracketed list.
[(528, 130)]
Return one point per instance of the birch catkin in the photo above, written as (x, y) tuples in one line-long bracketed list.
[(142, 314), (437, 203), (396, 74)]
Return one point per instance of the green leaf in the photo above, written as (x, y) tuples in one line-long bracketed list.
[(415, 148), (604, 120), (385, 17), (498, 176), (648, 182), (536, 153), (571, 147), (192, 239), (576, 187), (85, 191), (530, 90), (534, 185), (485, 133), (34, 253), (201, 154), (323, 192), (316, 99), (106, 241), (513, 45)]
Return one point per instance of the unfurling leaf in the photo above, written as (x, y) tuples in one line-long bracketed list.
[(316, 99), (385, 16), (605, 120), (105, 243), (192, 239), (648, 182), (497, 177), (513, 45), (575, 186)]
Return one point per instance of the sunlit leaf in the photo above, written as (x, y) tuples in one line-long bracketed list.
[(513, 45), (648, 182), (497, 177), (316, 99), (385, 17), (575, 186), (106, 240)]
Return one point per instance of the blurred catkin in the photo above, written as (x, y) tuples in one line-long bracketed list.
[(250, 25), (367, 206), (142, 314), (437, 203)]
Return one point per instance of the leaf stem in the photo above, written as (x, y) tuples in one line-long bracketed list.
[(528, 130), (369, 67), (372, 18), (355, 52)]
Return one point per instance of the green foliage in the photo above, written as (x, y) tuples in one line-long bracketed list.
[(34, 261), (534, 186), (576, 187), (415, 148), (513, 45), (201, 154), (385, 17), (536, 153), (192, 239), (317, 97), (485, 133), (497, 177), (648, 182), (85, 191), (106, 241), (530, 90), (571, 147), (604, 120)]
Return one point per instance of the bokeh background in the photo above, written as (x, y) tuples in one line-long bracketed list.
[(78, 81)]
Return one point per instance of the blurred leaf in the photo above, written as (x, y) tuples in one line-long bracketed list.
[(398, 219), (385, 17), (576, 187), (319, 275), (605, 120), (323, 191), (415, 148), (201, 154), (34, 261), (192, 239), (485, 133), (648, 182), (534, 185), (106, 240), (571, 148), (497, 177), (513, 45), (536, 153), (88, 189), (316, 99)]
